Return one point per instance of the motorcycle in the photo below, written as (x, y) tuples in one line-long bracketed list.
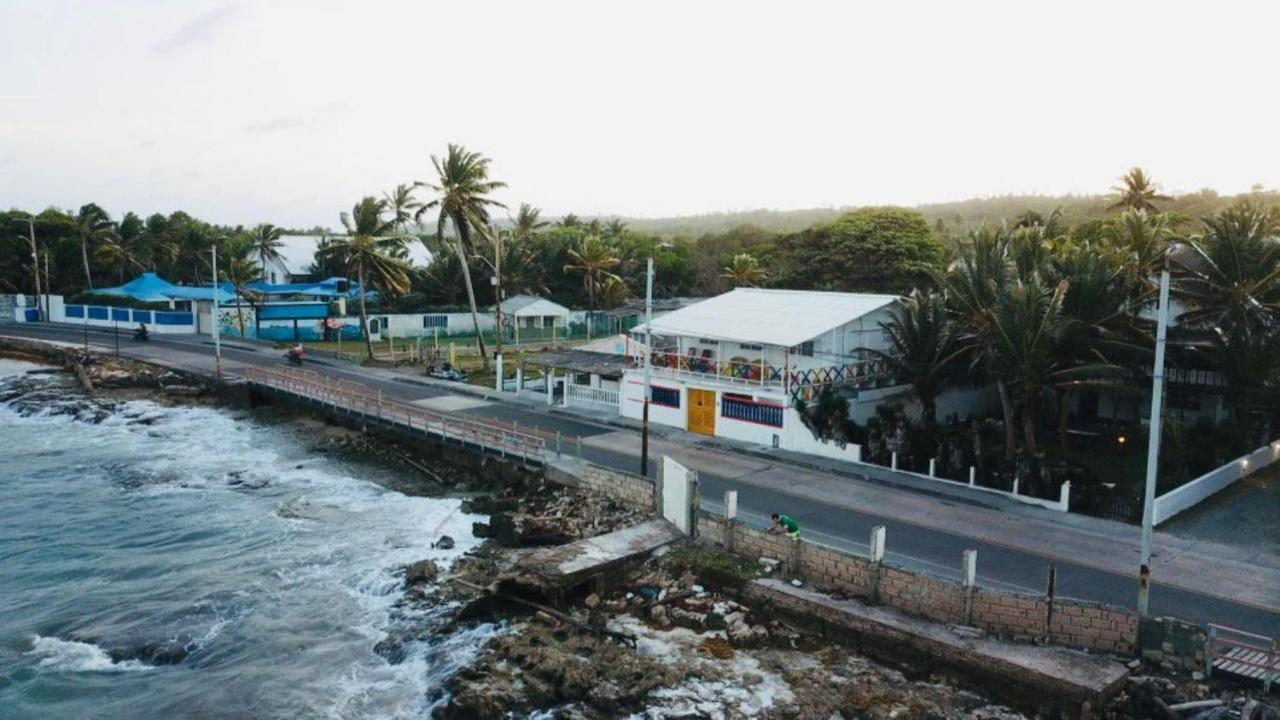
[(295, 359), (141, 334)]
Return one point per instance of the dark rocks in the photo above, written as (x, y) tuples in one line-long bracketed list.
[(481, 530), (423, 571), (444, 543)]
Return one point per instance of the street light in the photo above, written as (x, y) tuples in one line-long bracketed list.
[(1121, 442)]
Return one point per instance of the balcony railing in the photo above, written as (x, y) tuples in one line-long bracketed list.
[(799, 380)]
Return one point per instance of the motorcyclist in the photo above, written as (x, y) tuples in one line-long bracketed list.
[(141, 333), (295, 354)]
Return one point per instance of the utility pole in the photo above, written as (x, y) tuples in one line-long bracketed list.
[(1153, 445), (497, 283), (217, 336), (35, 262), (648, 371), (47, 302)]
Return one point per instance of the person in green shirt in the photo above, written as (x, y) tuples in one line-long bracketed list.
[(782, 522)]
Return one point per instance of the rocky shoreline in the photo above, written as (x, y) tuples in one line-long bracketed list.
[(672, 638)]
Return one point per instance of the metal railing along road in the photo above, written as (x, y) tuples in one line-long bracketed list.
[(508, 439), (1241, 653)]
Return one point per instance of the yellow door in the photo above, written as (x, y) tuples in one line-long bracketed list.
[(702, 411)]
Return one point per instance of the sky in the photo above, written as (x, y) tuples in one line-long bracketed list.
[(289, 112)]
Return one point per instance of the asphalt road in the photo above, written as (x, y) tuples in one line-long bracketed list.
[(918, 547)]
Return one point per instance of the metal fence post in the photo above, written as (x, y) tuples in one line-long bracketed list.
[(558, 433), (933, 466), (973, 475), (893, 461)]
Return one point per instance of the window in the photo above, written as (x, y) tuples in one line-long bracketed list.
[(805, 349), (742, 407), (751, 346), (435, 321), (666, 397), (704, 341)]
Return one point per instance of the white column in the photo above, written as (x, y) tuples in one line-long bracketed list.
[(877, 544), (969, 568)]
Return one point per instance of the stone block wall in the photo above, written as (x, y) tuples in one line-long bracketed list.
[(1018, 616), (1007, 614), (1093, 625), (832, 569), (631, 490), (915, 594)]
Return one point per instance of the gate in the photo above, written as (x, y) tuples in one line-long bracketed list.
[(679, 495)]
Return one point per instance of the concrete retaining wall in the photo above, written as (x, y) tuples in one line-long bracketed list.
[(631, 490), (1024, 617), (1019, 616), (1214, 481)]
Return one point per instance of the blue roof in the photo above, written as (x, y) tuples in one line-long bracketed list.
[(324, 288), (149, 287)]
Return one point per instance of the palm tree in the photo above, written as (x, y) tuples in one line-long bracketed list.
[(91, 224), (924, 349), (402, 204), (1142, 238), (365, 250), (266, 244), (1022, 342), (972, 284), (614, 228), (124, 246), (1232, 277), (744, 269), (594, 259), (463, 186), (526, 222), (239, 267), (1137, 192), (569, 221)]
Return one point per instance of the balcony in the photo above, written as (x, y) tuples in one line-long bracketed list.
[(801, 376)]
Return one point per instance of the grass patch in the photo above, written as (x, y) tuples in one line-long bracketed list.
[(713, 567)]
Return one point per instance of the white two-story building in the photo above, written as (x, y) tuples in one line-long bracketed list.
[(733, 365)]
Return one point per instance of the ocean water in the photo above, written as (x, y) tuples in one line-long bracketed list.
[(164, 562)]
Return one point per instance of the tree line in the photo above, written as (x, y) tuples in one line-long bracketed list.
[(1044, 312)]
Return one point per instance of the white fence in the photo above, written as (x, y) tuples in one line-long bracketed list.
[(1216, 480), (585, 395)]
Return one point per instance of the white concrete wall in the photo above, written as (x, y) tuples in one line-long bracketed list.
[(1212, 482), (632, 402)]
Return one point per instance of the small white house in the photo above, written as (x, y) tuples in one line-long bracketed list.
[(534, 316)]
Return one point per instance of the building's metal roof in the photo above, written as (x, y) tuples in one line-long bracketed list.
[(784, 318), (532, 306), (583, 361), (149, 287)]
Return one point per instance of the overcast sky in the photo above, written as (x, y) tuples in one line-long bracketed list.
[(288, 112)]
